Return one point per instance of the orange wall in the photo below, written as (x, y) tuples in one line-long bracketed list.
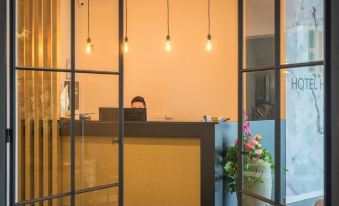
[(184, 84)]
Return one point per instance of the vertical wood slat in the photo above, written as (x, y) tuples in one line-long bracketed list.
[(28, 92), (55, 141), (37, 62), (46, 45), (20, 102), (39, 148)]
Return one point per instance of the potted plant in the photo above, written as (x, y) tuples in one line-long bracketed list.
[(257, 167)]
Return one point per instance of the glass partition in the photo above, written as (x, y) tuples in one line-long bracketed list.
[(259, 39), (259, 135), (302, 120), (59, 157), (283, 101), (302, 36)]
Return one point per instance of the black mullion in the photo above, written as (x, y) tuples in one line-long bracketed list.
[(72, 123), (328, 104), (253, 69), (12, 59), (277, 143), (303, 64), (58, 196), (121, 103), (66, 194), (240, 97), (284, 66), (256, 70), (66, 70)]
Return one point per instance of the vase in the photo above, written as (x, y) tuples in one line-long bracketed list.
[(259, 169)]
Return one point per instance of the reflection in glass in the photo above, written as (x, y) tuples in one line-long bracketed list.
[(259, 134), (302, 126), (259, 41), (302, 31), (259, 95)]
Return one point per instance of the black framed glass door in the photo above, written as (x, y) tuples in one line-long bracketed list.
[(59, 153), (281, 95)]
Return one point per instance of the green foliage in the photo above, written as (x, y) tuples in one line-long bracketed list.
[(255, 157)]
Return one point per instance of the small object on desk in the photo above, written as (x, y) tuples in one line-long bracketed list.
[(208, 118)]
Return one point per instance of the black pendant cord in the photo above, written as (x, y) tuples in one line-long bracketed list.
[(126, 21), (168, 19), (209, 19), (88, 17)]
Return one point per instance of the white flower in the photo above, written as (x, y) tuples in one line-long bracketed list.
[(259, 145), (258, 152)]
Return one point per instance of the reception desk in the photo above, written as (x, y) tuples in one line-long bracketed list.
[(165, 163)]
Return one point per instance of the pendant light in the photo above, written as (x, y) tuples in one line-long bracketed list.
[(89, 45), (209, 37), (126, 30), (168, 45)]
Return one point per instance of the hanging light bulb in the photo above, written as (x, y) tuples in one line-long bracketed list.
[(126, 45), (209, 37), (126, 28), (168, 45), (89, 46), (209, 43)]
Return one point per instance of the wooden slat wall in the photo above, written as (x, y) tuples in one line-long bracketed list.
[(55, 187), (39, 149), (20, 102)]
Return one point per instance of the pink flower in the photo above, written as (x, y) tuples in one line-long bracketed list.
[(249, 145), (246, 127)]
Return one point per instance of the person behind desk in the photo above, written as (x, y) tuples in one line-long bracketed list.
[(138, 102)]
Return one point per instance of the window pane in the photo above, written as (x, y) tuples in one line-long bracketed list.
[(259, 134), (98, 198), (96, 147), (63, 201), (250, 201), (302, 31), (101, 26), (43, 33), (259, 41), (259, 95), (42, 104), (302, 127)]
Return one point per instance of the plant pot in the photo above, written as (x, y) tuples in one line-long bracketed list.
[(262, 170)]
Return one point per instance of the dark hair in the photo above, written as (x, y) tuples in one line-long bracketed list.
[(138, 99)]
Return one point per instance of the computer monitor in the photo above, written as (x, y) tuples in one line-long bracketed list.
[(130, 114)]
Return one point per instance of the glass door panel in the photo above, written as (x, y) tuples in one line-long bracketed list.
[(96, 131), (302, 31), (258, 40), (42, 103), (258, 134), (302, 129)]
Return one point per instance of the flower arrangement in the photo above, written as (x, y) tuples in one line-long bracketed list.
[(254, 152)]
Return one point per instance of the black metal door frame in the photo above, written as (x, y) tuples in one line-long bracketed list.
[(332, 102), (3, 102), (278, 66), (73, 71)]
